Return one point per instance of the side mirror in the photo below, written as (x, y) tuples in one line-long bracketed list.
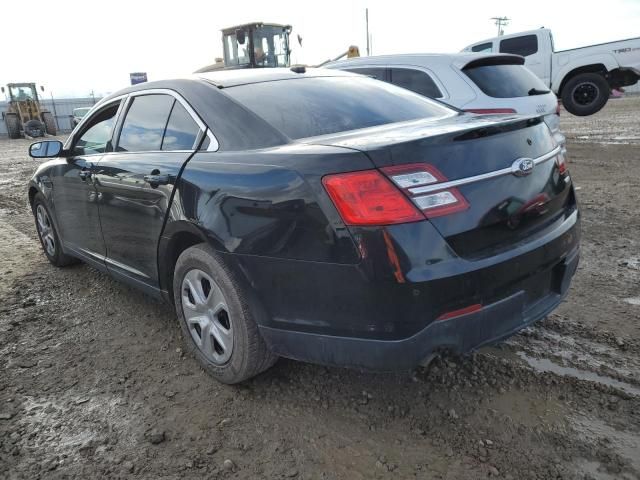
[(241, 36), (45, 149), (42, 88), (2, 88)]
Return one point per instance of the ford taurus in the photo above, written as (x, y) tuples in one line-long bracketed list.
[(313, 214)]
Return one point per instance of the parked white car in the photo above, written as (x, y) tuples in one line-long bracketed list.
[(582, 77), (474, 82)]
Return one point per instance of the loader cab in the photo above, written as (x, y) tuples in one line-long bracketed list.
[(22, 92), (256, 45)]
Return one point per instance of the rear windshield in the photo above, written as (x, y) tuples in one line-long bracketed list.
[(506, 81), (308, 107)]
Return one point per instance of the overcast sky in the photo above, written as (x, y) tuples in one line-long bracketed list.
[(79, 46)]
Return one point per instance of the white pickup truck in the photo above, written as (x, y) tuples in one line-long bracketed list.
[(582, 77)]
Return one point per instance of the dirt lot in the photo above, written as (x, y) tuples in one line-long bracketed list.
[(93, 381)]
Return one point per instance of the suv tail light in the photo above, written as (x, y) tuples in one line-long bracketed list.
[(434, 202), (369, 198), (489, 111), (561, 162)]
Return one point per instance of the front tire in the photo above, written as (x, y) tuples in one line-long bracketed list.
[(13, 125), (585, 94), (218, 317), (48, 235)]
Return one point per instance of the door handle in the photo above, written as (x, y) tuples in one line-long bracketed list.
[(84, 174), (155, 179)]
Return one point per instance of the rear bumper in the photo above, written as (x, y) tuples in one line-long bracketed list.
[(460, 335)]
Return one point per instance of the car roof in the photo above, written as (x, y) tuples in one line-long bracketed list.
[(459, 60), (245, 76)]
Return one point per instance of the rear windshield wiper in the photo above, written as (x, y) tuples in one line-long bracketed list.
[(535, 91)]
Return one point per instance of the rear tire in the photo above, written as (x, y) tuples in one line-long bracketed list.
[(48, 234), (585, 94), (49, 123), (218, 317), (13, 125)]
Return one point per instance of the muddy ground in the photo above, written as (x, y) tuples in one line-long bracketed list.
[(94, 383)]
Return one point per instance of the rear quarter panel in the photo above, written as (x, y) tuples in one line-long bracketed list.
[(268, 203)]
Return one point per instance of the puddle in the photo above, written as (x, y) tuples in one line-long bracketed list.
[(632, 262), (580, 352), (546, 365), (623, 442)]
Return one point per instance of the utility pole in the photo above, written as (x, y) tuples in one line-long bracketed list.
[(500, 22), (366, 18), (55, 112)]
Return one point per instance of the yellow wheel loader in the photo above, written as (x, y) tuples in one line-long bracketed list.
[(24, 115)]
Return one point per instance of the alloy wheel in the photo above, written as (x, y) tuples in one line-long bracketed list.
[(207, 315), (45, 230)]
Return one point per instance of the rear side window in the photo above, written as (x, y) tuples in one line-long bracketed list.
[(483, 47), (416, 81), (506, 81), (308, 107), (181, 130), (525, 45), (143, 127), (377, 73)]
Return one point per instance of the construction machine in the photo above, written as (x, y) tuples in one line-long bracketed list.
[(258, 45), (253, 45), (24, 115)]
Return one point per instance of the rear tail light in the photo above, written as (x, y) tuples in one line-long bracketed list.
[(561, 162), (489, 111), (434, 202), (368, 198), (558, 108)]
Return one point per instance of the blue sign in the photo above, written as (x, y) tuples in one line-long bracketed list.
[(138, 77)]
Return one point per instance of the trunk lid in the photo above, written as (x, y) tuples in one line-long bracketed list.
[(503, 209)]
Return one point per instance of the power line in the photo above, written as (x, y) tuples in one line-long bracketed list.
[(500, 22)]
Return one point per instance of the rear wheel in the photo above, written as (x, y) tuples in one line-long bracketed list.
[(218, 317), (48, 235), (585, 94), (13, 125), (49, 123)]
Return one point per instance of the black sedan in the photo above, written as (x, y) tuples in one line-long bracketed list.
[(316, 215)]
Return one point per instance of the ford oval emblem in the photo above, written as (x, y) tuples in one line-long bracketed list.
[(522, 167)]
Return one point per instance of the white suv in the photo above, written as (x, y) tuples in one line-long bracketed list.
[(474, 82)]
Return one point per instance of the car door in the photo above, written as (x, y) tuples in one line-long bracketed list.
[(157, 135), (75, 198)]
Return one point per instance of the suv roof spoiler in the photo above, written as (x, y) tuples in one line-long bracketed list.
[(502, 59)]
